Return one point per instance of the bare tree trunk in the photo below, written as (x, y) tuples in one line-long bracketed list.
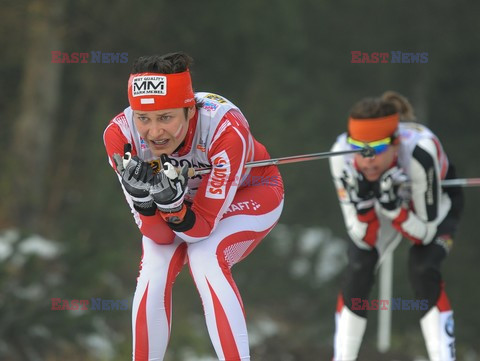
[(38, 101)]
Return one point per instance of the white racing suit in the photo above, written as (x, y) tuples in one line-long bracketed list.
[(429, 223)]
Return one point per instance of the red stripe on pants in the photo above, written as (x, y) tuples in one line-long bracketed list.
[(178, 260), (227, 340), (141, 330)]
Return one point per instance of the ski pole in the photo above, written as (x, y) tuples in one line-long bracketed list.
[(461, 182), (366, 152), (457, 182)]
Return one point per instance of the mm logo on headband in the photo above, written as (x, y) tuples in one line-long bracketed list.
[(149, 85)]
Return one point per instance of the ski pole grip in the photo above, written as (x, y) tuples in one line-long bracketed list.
[(191, 172)]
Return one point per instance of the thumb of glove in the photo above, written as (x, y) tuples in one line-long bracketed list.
[(386, 184), (170, 171), (118, 159)]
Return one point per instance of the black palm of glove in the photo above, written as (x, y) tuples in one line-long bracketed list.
[(359, 189), (387, 188), (136, 178), (169, 187)]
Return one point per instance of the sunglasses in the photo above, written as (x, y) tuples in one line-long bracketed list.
[(379, 146)]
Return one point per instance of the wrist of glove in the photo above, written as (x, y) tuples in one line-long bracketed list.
[(386, 191), (136, 177), (168, 191)]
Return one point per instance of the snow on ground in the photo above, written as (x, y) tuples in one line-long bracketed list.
[(12, 246), (261, 329), (318, 250), (7, 239)]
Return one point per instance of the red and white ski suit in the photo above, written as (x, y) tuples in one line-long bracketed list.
[(235, 207)]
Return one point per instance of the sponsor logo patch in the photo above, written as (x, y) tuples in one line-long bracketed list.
[(449, 326), (216, 186), (216, 97), (149, 85), (210, 106), (201, 146), (243, 206), (342, 194)]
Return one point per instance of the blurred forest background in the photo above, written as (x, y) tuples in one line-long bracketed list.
[(66, 231)]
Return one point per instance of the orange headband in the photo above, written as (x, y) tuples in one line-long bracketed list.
[(154, 91), (371, 129)]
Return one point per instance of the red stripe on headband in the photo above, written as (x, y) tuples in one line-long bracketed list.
[(371, 129), (155, 91)]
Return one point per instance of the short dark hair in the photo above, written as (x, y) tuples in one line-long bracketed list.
[(388, 103), (165, 64)]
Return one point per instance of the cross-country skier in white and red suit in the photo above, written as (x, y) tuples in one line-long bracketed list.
[(378, 211), (210, 222)]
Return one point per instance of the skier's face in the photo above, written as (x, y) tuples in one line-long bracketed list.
[(163, 130), (372, 168)]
